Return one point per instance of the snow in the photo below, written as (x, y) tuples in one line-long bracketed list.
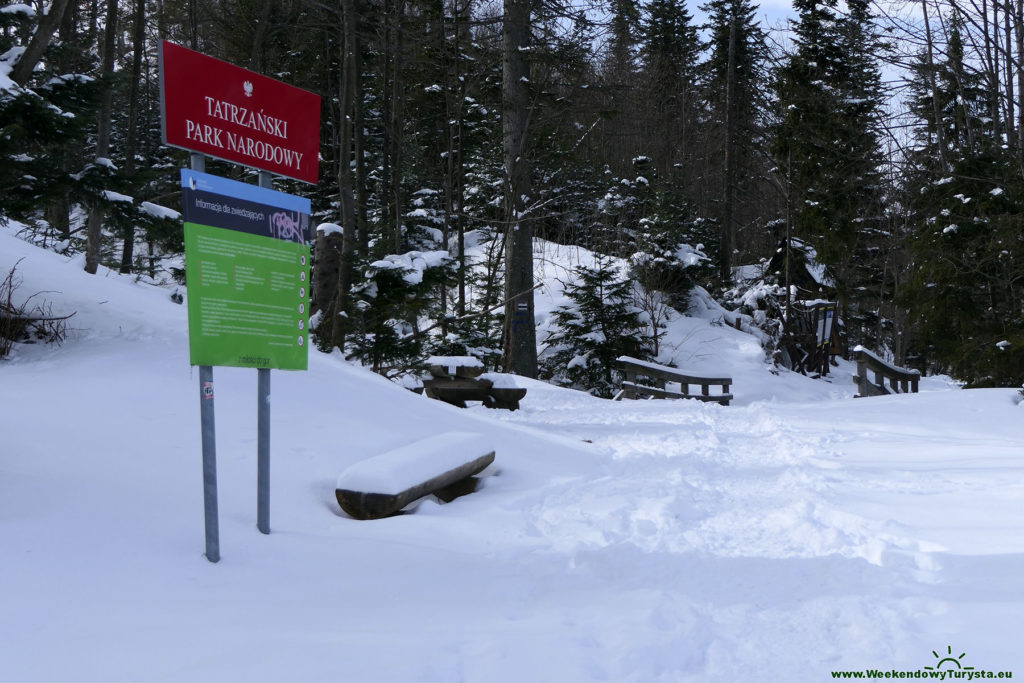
[(157, 211), (690, 256), (884, 363), (501, 380), (7, 61), (455, 362), (18, 8), (412, 264), (661, 368), (401, 469), (330, 229), (796, 532), (112, 196)]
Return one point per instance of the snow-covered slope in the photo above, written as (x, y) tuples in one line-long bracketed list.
[(795, 533)]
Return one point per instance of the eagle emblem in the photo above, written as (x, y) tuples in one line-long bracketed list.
[(247, 87)]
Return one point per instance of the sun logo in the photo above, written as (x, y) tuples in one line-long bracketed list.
[(953, 662), (247, 87)]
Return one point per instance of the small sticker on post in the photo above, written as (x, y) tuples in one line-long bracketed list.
[(207, 390)]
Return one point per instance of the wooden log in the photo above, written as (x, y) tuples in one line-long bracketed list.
[(371, 505), (507, 398), (457, 391)]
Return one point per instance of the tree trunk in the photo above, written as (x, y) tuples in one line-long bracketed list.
[(132, 143), (362, 199), (728, 232), (1018, 23), (940, 135), (260, 38), (395, 124), (520, 334), (94, 223), (1009, 114), (339, 325), (459, 200), (36, 47)]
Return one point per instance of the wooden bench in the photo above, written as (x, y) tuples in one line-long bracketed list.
[(656, 379), (456, 379), (442, 465), (901, 380)]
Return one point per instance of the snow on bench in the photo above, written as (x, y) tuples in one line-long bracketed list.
[(384, 484), (455, 366), (659, 378), (901, 380)]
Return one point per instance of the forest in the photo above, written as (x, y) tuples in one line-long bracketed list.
[(878, 146)]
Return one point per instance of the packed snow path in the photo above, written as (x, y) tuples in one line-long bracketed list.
[(650, 541), (809, 537)]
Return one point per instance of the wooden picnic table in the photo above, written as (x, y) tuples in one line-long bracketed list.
[(456, 380)]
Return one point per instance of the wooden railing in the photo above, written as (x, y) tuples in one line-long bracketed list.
[(657, 378), (900, 380)]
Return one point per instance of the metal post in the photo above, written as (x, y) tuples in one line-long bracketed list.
[(263, 451), (197, 162), (263, 426), (209, 463)]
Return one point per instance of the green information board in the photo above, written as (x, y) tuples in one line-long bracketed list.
[(247, 272)]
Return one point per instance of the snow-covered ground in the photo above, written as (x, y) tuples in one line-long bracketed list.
[(795, 533)]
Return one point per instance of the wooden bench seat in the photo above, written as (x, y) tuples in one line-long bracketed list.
[(443, 464)]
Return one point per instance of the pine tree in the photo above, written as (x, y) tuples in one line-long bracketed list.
[(45, 115), (669, 52), (391, 304), (965, 199), (599, 325), (826, 142), (733, 89)]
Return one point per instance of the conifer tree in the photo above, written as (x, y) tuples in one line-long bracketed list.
[(826, 140), (965, 199), (669, 51), (734, 82), (600, 324), (45, 112)]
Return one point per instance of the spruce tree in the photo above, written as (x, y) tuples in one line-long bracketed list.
[(600, 324), (965, 199), (826, 143), (669, 51), (734, 93)]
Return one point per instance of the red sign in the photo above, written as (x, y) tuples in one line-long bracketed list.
[(225, 111)]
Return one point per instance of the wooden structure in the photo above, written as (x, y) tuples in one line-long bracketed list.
[(457, 383), (812, 337), (812, 331), (650, 380), (901, 380), (443, 465)]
